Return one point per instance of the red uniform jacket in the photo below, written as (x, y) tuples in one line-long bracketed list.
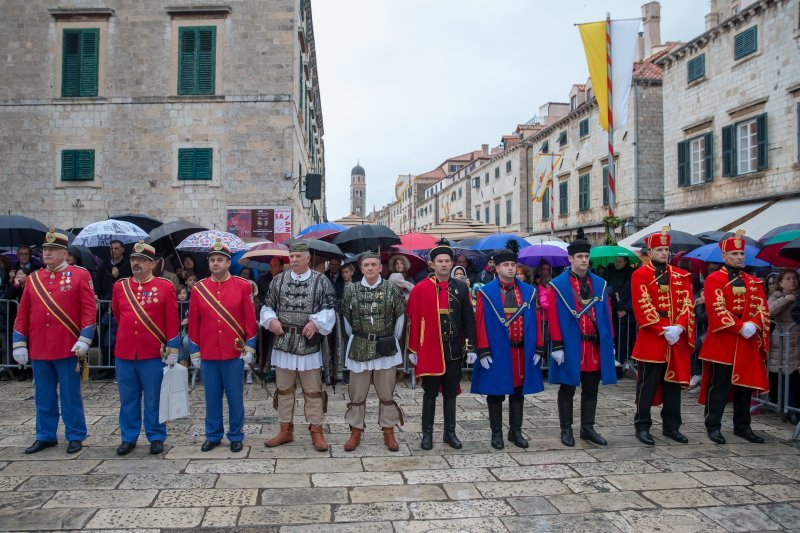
[(136, 338), (655, 310), (50, 331), (209, 333), (728, 309)]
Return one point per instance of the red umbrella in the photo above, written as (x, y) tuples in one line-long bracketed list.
[(321, 235), (417, 241)]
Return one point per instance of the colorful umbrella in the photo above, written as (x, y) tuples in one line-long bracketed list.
[(605, 255), (499, 241), (322, 226), (100, 234), (263, 253), (417, 241), (679, 240), (204, 240), (791, 252), (771, 250), (711, 253), (780, 229), (536, 253)]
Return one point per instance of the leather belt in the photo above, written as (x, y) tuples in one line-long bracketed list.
[(371, 337), (664, 314), (515, 344), (590, 338), (294, 330)]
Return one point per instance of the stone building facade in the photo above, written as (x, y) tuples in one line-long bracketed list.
[(172, 109), (732, 109)]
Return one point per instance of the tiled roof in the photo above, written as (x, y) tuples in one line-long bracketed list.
[(438, 173), (647, 69)]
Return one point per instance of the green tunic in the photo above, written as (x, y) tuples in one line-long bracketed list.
[(371, 311)]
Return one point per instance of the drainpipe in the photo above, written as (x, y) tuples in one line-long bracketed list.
[(636, 156)]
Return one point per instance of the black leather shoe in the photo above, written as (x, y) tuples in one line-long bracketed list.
[(676, 435), (592, 436), (125, 448), (716, 436), (208, 446), (236, 446), (566, 436), (749, 436), (645, 438), (40, 445), (156, 447), (426, 443), (74, 446)]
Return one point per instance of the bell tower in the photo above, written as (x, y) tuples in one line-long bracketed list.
[(358, 191)]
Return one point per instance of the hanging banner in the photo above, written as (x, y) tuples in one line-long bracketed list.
[(270, 223), (542, 174)]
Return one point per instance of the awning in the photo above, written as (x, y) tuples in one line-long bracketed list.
[(779, 213), (716, 219)]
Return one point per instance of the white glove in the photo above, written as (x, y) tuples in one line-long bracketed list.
[(672, 334), (196, 362), (536, 359), (80, 348), (171, 359), (748, 330), (247, 357), (21, 355), (486, 361), (557, 356), (412, 357), (471, 357)]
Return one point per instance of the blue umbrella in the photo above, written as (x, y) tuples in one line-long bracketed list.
[(498, 241), (332, 226), (711, 253)]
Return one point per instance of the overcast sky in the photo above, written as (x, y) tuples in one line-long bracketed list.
[(406, 83)]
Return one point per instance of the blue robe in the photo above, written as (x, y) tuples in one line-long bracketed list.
[(569, 373), (499, 378)]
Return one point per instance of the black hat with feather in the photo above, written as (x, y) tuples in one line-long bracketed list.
[(442, 247), (580, 245), (510, 253)]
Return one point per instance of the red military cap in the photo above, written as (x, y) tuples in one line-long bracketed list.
[(735, 243), (53, 239), (656, 240)]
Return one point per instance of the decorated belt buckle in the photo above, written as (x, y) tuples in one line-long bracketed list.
[(739, 290)]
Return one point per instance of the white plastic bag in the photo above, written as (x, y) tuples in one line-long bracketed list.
[(174, 401)]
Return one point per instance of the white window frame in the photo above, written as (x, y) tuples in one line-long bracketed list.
[(747, 147), (697, 161)]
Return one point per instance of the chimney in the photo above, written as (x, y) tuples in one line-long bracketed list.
[(639, 47), (485, 149), (651, 23), (714, 15)]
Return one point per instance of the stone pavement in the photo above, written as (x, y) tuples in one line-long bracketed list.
[(623, 487)]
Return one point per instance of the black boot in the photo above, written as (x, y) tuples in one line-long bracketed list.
[(496, 424), (588, 408), (565, 420), (428, 412), (515, 423), (450, 423)]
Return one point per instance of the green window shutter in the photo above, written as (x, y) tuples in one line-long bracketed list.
[(508, 212), (729, 150), (696, 68), (583, 192), (605, 185), (583, 127), (202, 163), (563, 199), (195, 163), (708, 141), (683, 164), (745, 43), (90, 54), (71, 63), (545, 147), (67, 165), (197, 60), (761, 141), (546, 205), (562, 138), (206, 59)]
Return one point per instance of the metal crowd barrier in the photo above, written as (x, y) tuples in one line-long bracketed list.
[(782, 336), (8, 309)]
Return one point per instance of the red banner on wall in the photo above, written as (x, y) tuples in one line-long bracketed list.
[(272, 223)]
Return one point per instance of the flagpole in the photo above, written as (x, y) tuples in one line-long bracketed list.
[(552, 209), (612, 199)]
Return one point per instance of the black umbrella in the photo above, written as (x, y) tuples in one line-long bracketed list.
[(469, 241), (680, 240), (791, 250), (709, 237), (143, 221), (86, 258), (16, 230), (165, 237), (367, 237), (319, 248)]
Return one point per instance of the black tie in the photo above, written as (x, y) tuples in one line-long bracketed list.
[(510, 301)]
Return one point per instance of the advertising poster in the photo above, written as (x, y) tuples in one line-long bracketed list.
[(253, 223)]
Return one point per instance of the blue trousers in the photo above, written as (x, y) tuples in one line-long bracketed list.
[(136, 380), (219, 377), (48, 376)]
